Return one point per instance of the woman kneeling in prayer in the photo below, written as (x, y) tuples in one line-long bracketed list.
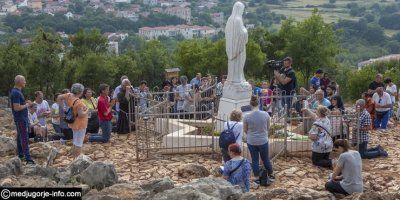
[(320, 134), (237, 170), (346, 178)]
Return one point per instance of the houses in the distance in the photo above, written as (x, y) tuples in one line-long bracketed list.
[(186, 31), (181, 12)]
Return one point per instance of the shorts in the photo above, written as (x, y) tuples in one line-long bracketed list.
[(78, 137)]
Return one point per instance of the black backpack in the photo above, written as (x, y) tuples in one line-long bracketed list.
[(264, 179), (69, 115), (227, 137)]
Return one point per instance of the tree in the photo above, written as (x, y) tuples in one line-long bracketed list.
[(255, 59), (312, 44), (45, 67), (153, 59), (189, 55), (85, 42), (126, 65), (94, 69), (13, 60)]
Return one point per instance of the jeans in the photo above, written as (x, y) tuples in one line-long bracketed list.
[(335, 187), (106, 128), (381, 120), (255, 152), (56, 127), (366, 153), (23, 139), (321, 159)]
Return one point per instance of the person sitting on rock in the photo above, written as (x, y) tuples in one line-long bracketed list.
[(346, 178), (320, 134), (237, 170), (360, 134), (36, 130)]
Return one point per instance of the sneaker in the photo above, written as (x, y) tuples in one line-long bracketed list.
[(271, 177), (254, 185), (30, 162), (21, 157), (380, 148)]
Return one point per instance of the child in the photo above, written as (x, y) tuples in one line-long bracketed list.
[(237, 170), (35, 128)]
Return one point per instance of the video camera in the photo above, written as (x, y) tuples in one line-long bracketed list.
[(275, 64)]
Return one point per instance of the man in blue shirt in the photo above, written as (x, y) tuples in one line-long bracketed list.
[(320, 100), (196, 80), (316, 79), (20, 112)]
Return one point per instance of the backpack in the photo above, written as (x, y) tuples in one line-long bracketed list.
[(264, 179), (227, 137), (69, 115)]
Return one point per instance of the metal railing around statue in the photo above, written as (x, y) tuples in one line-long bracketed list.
[(164, 126), (174, 122)]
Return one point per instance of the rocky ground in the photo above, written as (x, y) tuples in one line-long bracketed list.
[(296, 177)]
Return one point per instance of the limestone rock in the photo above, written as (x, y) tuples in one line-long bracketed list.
[(249, 196), (79, 164), (44, 150), (183, 193), (306, 193), (10, 167), (8, 146), (276, 192), (63, 176), (158, 186), (30, 181), (374, 196), (37, 170), (204, 188), (118, 191), (193, 171), (100, 174)]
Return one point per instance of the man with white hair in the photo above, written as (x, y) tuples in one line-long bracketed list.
[(383, 104), (320, 100), (360, 135), (19, 108)]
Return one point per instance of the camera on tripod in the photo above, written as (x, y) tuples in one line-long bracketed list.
[(275, 64)]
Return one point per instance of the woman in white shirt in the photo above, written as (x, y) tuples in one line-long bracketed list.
[(236, 125)]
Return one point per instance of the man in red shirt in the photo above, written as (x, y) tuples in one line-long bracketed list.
[(105, 116)]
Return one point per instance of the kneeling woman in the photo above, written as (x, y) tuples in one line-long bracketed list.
[(347, 177), (322, 142), (237, 170)]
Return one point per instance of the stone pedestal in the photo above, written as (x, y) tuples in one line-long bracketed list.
[(234, 96)]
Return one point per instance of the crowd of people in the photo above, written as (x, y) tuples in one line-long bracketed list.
[(94, 118), (78, 115), (323, 110)]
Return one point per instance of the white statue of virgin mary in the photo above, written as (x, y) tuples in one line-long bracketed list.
[(236, 39)]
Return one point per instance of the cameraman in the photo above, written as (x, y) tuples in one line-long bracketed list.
[(286, 78)]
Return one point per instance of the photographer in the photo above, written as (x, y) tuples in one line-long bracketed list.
[(286, 78)]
